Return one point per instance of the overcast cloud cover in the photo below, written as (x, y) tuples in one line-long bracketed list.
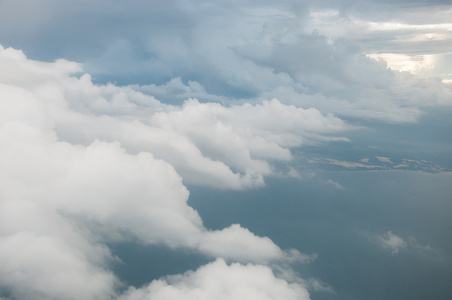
[(299, 149)]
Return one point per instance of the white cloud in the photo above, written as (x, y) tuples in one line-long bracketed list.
[(414, 39), (208, 144), (137, 194), (79, 167), (175, 91), (402, 62), (335, 184), (218, 280), (237, 242), (292, 52), (384, 159), (391, 242), (94, 163), (45, 257), (126, 195), (394, 243), (426, 250)]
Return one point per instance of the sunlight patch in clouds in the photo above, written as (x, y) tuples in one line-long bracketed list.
[(415, 64), (388, 26)]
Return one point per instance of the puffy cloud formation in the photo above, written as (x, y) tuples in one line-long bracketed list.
[(311, 54), (207, 143), (43, 256), (83, 165), (218, 280), (391, 242)]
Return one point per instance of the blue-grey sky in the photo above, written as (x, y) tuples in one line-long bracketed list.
[(225, 149)]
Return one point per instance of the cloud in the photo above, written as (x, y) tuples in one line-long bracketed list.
[(84, 165), (125, 196), (300, 54), (236, 242), (391, 242), (394, 243), (426, 250), (218, 280), (208, 143), (383, 163), (45, 257), (137, 194), (384, 159), (335, 184), (406, 63), (413, 37), (176, 92)]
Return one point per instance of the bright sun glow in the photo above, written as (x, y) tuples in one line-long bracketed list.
[(409, 63)]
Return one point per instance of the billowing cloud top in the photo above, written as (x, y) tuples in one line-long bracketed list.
[(220, 281), (331, 55), (110, 118), (207, 143), (84, 164)]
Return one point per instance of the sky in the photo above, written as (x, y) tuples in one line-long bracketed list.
[(225, 149)]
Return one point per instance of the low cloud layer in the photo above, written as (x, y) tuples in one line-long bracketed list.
[(109, 120), (218, 280), (82, 165), (207, 143)]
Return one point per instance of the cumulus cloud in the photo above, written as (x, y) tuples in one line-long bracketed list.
[(302, 54), (414, 39), (83, 165), (391, 242), (225, 244), (176, 92), (207, 143), (218, 280), (45, 257), (138, 194)]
